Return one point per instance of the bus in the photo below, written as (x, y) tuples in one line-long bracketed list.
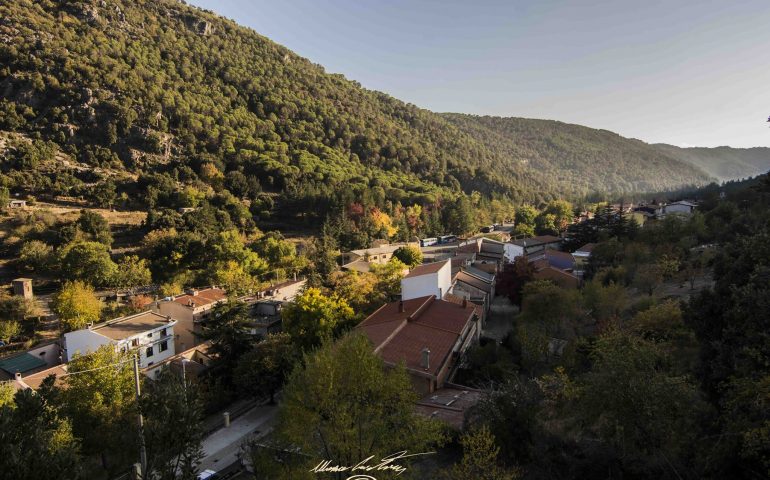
[(427, 242), (447, 238)]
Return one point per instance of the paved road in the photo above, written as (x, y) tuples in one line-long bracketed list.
[(221, 448)]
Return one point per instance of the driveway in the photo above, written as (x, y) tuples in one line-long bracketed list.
[(500, 319)]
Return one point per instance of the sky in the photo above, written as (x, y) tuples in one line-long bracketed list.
[(684, 72)]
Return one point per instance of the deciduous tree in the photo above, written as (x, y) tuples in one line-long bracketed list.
[(76, 305)]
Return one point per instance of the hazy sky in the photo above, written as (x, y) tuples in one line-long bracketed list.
[(685, 72)]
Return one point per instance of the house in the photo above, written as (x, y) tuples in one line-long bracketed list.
[(188, 364), (554, 258), (285, 291), (582, 255), (475, 285), (17, 204), (682, 207), (499, 251), (20, 364), (265, 316), (35, 380), (449, 404), (530, 245), (557, 276), (428, 279), (427, 334), (379, 254), (189, 310), (149, 333)]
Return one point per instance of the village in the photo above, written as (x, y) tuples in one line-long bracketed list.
[(449, 300)]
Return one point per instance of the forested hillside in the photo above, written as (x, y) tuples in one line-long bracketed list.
[(581, 160), (167, 105), (724, 163)]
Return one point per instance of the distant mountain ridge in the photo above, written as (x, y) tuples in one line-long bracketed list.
[(723, 163), (177, 96)]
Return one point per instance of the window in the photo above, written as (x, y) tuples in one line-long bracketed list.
[(149, 351), (149, 335), (163, 346), (135, 342), (164, 332)]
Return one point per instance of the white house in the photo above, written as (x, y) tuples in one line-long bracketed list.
[(682, 208), (149, 333), (429, 279)]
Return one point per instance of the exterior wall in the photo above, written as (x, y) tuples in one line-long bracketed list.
[(436, 284), (511, 251), (289, 293), (677, 208), (184, 338), (155, 339), (86, 341), (48, 353), (83, 342), (22, 287)]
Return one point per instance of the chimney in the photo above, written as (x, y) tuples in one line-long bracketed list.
[(17, 376), (425, 361), (465, 302), (401, 306)]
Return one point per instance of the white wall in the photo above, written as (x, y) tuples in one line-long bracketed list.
[(48, 353), (677, 208), (436, 284), (155, 341), (83, 342), (512, 251)]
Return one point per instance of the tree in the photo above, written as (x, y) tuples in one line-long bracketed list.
[(369, 410), (358, 289), (36, 439), (95, 227), (635, 405), (77, 305), (525, 215), (410, 255), (36, 256), (229, 330), (173, 429), (511, 280), (7, 391), (480, 458), (263, 370), (232, 276), (562, 212), (87, 261), (101, 403), (131, 271), (314, 317), (548, 311), (9, 329), (389, 277), (459, 217)]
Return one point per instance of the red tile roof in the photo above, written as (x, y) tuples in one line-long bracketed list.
[(426, 269), (401, 333), (202, 297)]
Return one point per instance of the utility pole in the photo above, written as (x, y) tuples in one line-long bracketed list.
[(142, 448)]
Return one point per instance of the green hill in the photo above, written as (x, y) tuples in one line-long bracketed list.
[(578, 158), (724, 163), (159, 103)]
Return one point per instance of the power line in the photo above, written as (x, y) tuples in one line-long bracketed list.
[(94, 369)]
